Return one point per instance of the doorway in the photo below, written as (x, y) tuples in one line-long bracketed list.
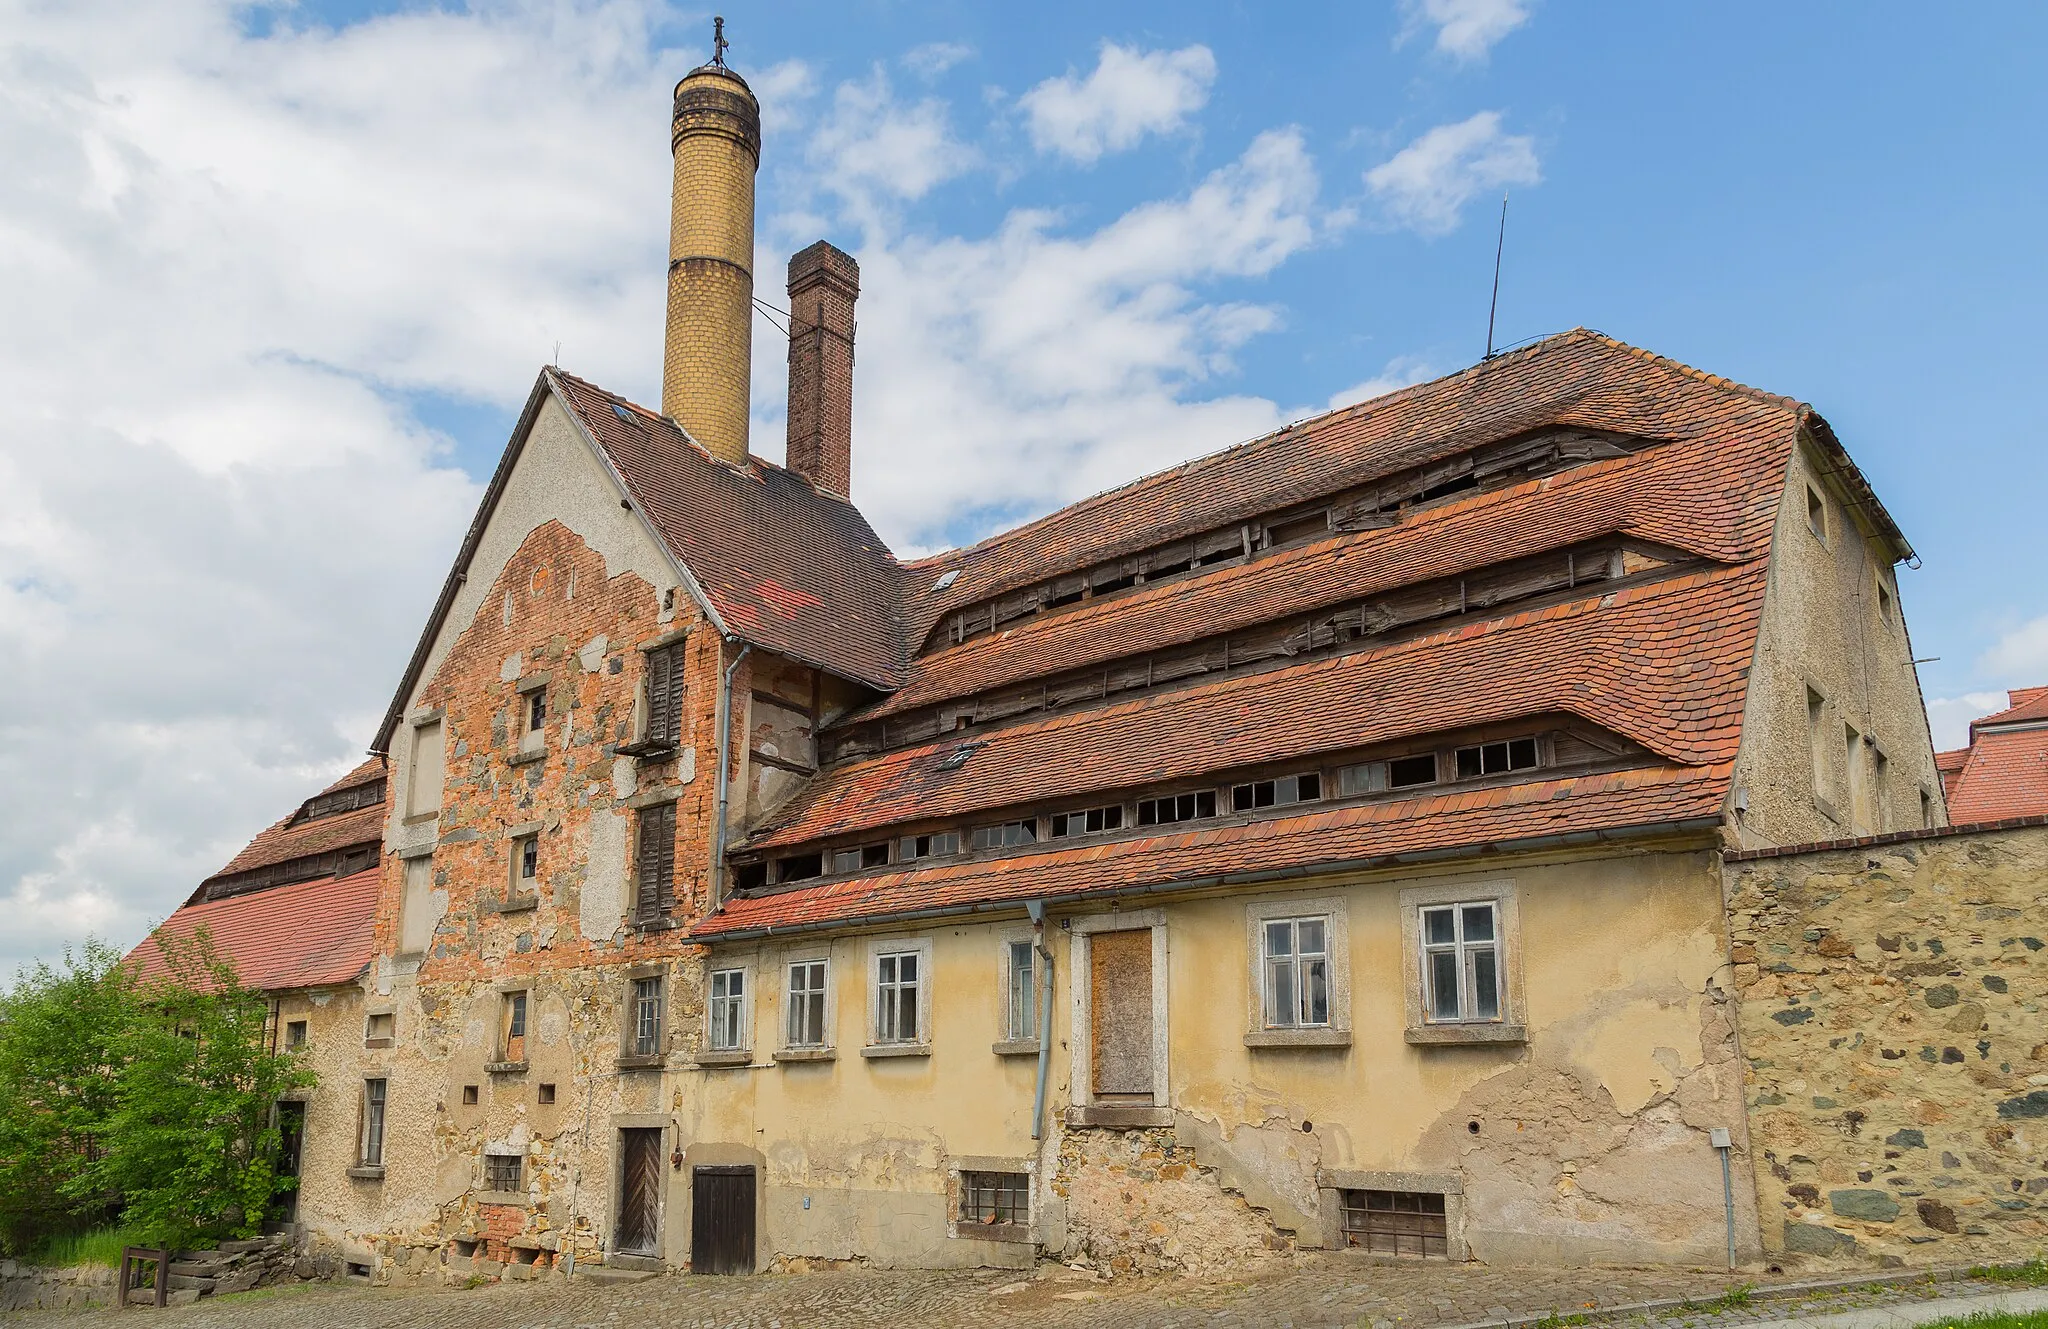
[(722, 1220), (639, 1226), (291, 1130), (1120, 1015)]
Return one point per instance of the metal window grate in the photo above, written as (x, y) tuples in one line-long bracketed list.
[(995, 1197), (501, 1172), (1396, 1223)]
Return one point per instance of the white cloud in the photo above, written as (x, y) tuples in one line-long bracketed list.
[(1400, 372), (1132, 93), (1465, 29), (1426, 185), (2020, 654), (935, 58), (1949, 717), (875, 152)]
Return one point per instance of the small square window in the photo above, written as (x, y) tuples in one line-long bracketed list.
[(295, 1036), (545, 1094), (469, 1095), (1406, 772), (993, 1199), (380, 1028), (502, 1172)]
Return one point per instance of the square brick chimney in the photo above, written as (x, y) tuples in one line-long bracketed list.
[(824, 281)]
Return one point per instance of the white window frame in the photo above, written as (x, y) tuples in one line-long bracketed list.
[(1335, 913), (919, 948), (1008, 1042), (826, 1006), (743, 1018), (1509, 1026)]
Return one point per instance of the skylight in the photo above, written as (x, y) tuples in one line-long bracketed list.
[(943, 582), (957, 758), (620, 410)]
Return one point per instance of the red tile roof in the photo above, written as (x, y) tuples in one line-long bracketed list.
[(2004, 772), (1584, 807), (281, 842), (305, 935), (1660, 663), (785, 566), (1950, 765), (2022, 705)]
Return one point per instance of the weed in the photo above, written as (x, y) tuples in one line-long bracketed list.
[(101, 1246), (1733, 1298), (2034, 1273)]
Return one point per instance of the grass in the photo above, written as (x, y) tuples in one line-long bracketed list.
[(101, 1246), (2034, 1273), (1733, 1299), (1992, 1320)]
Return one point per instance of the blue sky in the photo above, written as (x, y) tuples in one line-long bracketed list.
[(283, 275)]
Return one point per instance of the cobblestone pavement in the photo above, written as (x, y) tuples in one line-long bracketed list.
[(1309, 1290)]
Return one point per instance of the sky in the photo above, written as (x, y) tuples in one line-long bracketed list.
[(278, 277)]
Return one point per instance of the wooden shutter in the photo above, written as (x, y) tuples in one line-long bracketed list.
[(655, 863), (665, 676)]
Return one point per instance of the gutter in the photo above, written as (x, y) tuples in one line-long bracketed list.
[(1572, 839), (720, 834)]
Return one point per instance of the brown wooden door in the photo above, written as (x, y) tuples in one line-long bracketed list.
[(1120, 1014), (722, 1220), (639, 1230)]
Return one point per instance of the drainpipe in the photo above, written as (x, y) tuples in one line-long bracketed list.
[(1723, 1143), (1036, 908), (724, 777)]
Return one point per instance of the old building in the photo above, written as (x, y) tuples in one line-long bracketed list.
[(2004, 771), (1315, 844)]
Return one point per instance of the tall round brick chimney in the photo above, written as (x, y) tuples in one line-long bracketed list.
[(716, 139)]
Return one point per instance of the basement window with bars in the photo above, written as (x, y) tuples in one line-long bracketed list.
[(1091, 821), (1304, 788), (1171, 808), (1411, 1223), (1483, 759), (940, 844), (860, 856), (1008, 835), (654, 864), (995, 1199), (503, 1173)]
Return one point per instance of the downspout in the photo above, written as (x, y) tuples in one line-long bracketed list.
[(724, 774), (1036, 908)]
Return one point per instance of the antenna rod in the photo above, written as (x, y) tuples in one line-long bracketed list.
[(1499, 244)]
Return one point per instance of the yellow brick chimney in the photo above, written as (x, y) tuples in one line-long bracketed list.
[(716, 139)]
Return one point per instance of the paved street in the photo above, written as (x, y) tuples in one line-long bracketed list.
[(1312, 1290)]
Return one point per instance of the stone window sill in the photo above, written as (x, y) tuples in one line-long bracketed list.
[(648, 749), (1119, 1116), (1298, 1038), (636, 1061), (1442, 1035), (374, 1043), (726, 1057), (1016, 1047), (513, 1199), (654, 924), (366, 1173), (505, 1068), (518, 904), (806, 1054), (1017, 1232), (421, 818), (897, 1050), (523, 758)]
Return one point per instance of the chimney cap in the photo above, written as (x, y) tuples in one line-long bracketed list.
[(712, 99), (823, 261)]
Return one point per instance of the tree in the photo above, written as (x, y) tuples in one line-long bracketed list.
[(59, 1031), (190, 1143)]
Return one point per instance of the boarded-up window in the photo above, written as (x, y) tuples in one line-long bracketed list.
[(665, 675), (428, 770), (1120, 1013), (655, 863), (416, 910)]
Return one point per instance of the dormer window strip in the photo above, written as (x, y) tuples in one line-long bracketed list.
[(368, 794)]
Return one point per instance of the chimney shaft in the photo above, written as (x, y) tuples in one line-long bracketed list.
[(715, 136), (824, 281)]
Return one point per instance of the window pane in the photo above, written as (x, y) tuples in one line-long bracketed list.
[(1522, 753), (1478, 922), (1443, 985), (906, 1024), (1311, 932), (1485, 985), (1468, 763), (906, 966), (1438, 928), (1280, 938), (887, 968), (1496, 755), (1280, 994), (1316, 992)]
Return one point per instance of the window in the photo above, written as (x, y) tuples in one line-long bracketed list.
[(469, 1095), (943, 844), (1177, 807), (1461, 963), (959, 756), (501, 1172), (370, 1149), (861, 856), (1296, 981), (1852, 785), (665, 676), (1022, 1024), (1880, 791), (1816, 712), (544, 1095), (897, 984), (646, 1040), (295, 1036), (1091, 822), (537, 709), (1366, 778), (1926, 810), (525, 864), (1006, 836), (1303, 788), (728, 1009), (1516, 754), (1816, 514), (799, 867), (995, 1198), (426, 772), (655, 864), (340, 801), (512, 1027), (807, 1004), (1396, 1222), (379, 1029), (1887, 611), (1406, 772)]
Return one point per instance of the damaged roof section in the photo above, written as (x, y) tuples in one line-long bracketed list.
[(338, 831), (302, 935)]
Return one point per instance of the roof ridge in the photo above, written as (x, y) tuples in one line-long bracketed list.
[(1701, 375)]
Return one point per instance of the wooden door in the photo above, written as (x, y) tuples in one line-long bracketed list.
[(639, 1229), (1120, 1014), (722, 1220)]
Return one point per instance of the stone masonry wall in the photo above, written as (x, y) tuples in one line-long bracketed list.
[(1138, 1202), (1897, 1052)]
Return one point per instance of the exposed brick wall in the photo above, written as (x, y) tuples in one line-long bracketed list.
[(1892, 1018), (823, 284)]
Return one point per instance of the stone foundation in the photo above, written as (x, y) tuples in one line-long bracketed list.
[(1137, 1202)]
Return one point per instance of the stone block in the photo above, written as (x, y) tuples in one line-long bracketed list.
[(1814, 1239), (182, 1297), (1869, 1205)]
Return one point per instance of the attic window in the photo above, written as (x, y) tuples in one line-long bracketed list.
[(1403, 772), (958, 757), (862, 856), (1303, 788), (1816, 513), (1516, 754), (945, 580)]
